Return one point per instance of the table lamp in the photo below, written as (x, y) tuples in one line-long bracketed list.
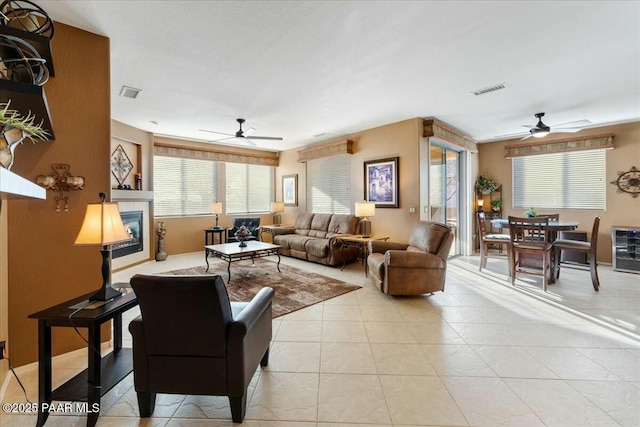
[(276, 208), (363, 210), (103, 226), (217, 209)]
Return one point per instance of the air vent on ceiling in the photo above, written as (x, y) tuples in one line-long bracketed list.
[(489, 89), (130, 92)]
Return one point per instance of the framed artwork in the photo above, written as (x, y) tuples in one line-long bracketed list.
[(381, 182), (121, 166), (290, 190)]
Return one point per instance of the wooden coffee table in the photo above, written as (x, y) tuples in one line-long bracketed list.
[(232, 252)]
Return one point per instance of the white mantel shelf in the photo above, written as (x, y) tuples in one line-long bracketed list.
[(15, 186), (131, 196)]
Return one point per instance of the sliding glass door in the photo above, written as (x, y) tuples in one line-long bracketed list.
[(444, 190)]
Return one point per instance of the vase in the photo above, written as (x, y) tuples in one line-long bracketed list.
[(161, 255), (9, 139)]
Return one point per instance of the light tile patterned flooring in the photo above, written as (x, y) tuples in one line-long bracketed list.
[(482, 353)]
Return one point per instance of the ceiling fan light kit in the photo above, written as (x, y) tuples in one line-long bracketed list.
[(540, 130)]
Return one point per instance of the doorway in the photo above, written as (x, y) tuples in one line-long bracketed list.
[(444, 190)]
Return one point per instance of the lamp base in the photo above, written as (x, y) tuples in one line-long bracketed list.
[(365, 227), (105, 293), (277, 219)]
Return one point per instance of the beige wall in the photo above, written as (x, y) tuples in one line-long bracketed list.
[(622, 209), (399, 139), (4, 286), (44, 268)]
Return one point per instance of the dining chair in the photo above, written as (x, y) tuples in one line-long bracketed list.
[(528, 236), (589, 248), (487, 239)]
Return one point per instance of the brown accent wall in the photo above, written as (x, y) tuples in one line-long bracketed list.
[(44, 268), (621, 209)]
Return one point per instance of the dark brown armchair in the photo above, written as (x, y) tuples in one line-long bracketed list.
[(190, 339), (411, 269)]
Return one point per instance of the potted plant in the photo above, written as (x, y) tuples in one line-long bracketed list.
[(486, 184), (531, 213), (496, 205), (14, 128)]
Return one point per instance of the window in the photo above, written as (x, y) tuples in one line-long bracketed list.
[(249, 188), (184, 186), (571, 180), (328, 185)]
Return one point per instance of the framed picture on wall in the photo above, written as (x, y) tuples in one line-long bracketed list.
[(290, 190), (381, 182)]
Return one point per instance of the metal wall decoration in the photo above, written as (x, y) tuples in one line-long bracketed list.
[(628, 182), (26, 16), (121, 165), (61, 181)]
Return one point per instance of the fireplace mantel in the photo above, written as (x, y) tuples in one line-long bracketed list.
[(131, 195)]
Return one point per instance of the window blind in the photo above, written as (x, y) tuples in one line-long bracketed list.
[(570, 180), (184, 186), (328, 185), (249, 188)]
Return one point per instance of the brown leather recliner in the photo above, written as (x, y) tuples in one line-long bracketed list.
[(411, 269), (190, 339)]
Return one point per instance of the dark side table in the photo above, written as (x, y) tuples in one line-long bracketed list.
[(210, 235), (103, 372)]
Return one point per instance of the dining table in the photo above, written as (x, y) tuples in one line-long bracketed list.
[(553, 228)]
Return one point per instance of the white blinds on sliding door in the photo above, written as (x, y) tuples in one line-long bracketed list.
[(329, 185)]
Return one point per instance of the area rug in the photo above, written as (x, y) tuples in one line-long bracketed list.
[(294, 288)]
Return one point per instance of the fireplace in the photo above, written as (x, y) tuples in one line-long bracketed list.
[(133, 224)]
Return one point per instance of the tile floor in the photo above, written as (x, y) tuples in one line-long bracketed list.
[(482, 353)]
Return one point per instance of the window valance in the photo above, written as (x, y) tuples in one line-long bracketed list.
[(436, 128), (344, 146), (215, 153), (574, 143)]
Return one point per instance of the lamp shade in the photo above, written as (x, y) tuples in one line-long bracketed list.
[(277, 207), (365, 209), (217, 208), (102, 225)]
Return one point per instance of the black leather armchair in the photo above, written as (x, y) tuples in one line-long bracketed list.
[(190, 339), (253, 224)]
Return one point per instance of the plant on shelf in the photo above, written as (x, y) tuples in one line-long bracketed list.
[(496, 205), (14, 128), (486, 184)]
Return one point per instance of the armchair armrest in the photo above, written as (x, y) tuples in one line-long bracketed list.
[(141, 378), (251, 313), (380, 246), (405, 259)]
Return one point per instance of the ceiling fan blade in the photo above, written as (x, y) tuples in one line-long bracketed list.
[(267, 138), (219, 133), (222, 139), (526, 137), (565, 130), (577, 123), (249, 142)]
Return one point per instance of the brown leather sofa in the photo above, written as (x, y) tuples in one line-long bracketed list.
[(191, 340), (411, 269), (315, 237)]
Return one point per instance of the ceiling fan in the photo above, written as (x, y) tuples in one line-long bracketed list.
[(540, 129), (241, 135)]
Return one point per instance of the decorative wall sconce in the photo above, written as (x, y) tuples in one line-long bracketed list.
[(61, 181)]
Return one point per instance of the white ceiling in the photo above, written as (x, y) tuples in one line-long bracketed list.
[(299, 69)]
